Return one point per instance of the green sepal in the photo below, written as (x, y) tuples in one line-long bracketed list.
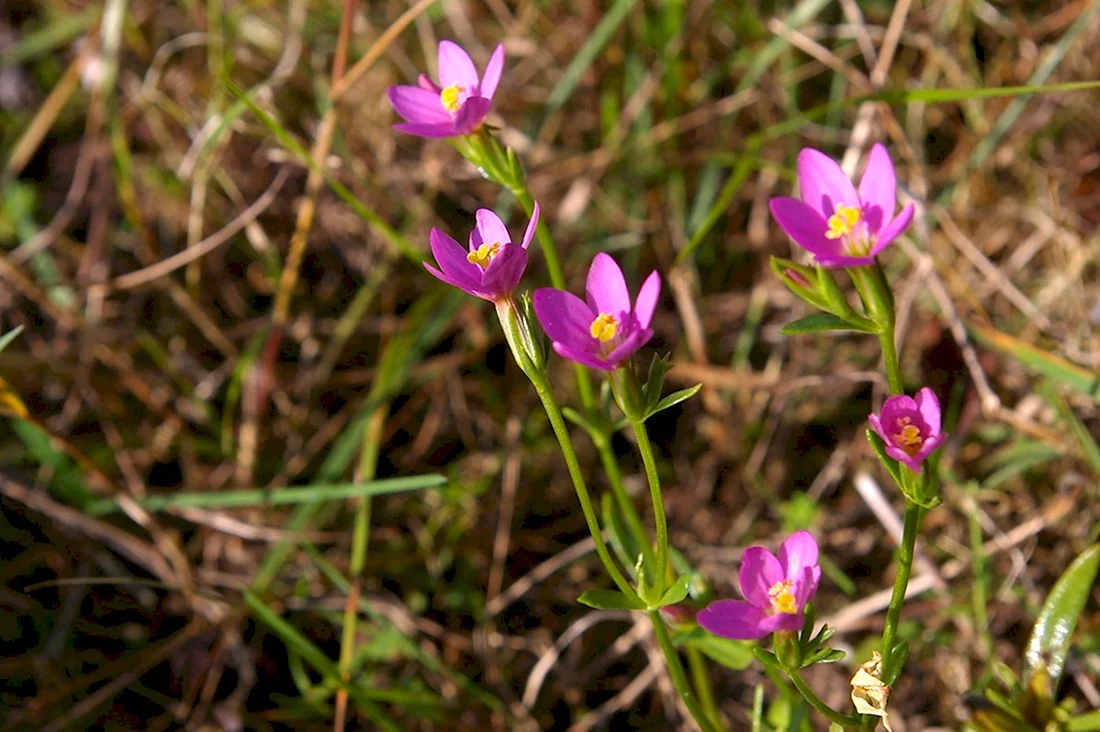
[(893, 467), (827, 323), (610, 600), (766, 657), (783, 269), (824, 655), (1049, 644)]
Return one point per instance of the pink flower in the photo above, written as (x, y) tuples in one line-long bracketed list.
[(455, 106), (606, 330), (840, 226), (776, 590), (492, 266), (911, 428)]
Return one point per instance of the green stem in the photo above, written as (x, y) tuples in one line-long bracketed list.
[(890, 359), (844, 720), (700, 678), (650, 463), (602, 441), (901, 582), (557, 422), (679, 678)]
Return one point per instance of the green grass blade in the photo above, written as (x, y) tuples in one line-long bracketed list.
[(601, 34), (10, 336), (275, 497), (1053, 367)]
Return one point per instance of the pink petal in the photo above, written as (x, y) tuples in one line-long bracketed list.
[(532, 225), (455, 67), (493, 70), (471, 114), (646, 302), (451, 258), (807, 586), (823, 184), (627, 348), (565, 318), (898, 405), (893, 229), (929, 407), (505, 271), (490, 230), (797, 553), (782, 621), (418, 105), (878, 189), (760, 570), (733, 619), (840, 261), (582, 357), (424, 82), (421, 129), (876, 425), (606, 287), (804, 224), (462, 284)]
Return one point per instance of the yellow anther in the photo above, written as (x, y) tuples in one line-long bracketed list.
[(783, 600), (843, 222), (604, 327), (484, 254), (908, 436), (449, 97)]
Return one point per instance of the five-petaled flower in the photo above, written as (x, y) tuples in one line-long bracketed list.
[(911, 428), (838, 225), (492, 266), (776, 590), (605, 330), (455, 106)]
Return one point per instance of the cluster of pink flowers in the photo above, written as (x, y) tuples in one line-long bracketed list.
[(841, 225)]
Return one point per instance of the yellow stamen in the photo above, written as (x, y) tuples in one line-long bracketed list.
[(604, 327), (908, 436), (783, 600), (484, 254), (449, 97), (843, 222)]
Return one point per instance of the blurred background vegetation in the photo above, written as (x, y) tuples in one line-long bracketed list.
[(221, 355)]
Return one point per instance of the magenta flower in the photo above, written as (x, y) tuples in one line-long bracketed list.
[(606, 330), (910, 427), (455, 106), (492, 266), (838, 225), (776, 590)]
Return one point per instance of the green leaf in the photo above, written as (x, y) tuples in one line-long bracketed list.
[(734, 654), (892, 466), (610, 600), (10, 336), (676, 593), (1088, 722), (278, 496), (1050, 638), (1053, 367), (674, 398), (824, 322)]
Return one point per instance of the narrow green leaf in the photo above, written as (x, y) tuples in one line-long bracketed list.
[(1050, 638), (278, 496), (1088, 722), (675, 398), (610, 600), (676, 593), (1053, 367), (9, 337), (734, 654), (824, 322)]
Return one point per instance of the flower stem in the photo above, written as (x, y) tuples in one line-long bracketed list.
[(890, 360), (679, 678), (700, 677), (650, 463), (557, 422), (602, 441), (844, 720), (906, 551)]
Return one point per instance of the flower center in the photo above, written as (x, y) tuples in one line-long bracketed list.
[(604, 327), (449, 97), (783, 600), (843, 224), (908, 436), (484, 254)]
